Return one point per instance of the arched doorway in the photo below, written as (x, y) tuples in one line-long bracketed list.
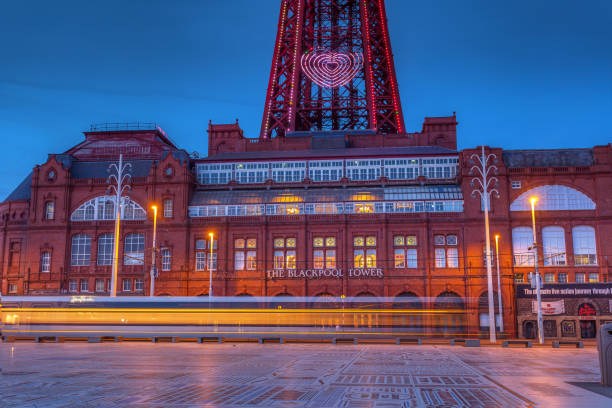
[(452, 318), (483, 311), (529, 330), (412, 318)]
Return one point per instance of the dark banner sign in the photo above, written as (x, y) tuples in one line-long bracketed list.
[(567, 290)]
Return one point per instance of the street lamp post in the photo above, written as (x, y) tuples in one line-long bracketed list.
[(210, 264), (118, 180), (538, 280), (485, 183), (153, 266), (499, 288)]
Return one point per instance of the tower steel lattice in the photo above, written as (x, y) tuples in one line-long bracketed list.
[(332, 69)]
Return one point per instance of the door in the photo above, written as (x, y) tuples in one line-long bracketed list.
[(587, 329), (529, 330)]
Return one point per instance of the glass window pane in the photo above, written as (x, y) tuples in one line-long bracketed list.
[(279, 260), (399, 258), (251, 243), (358, 241), (440, 255), (371, 258), (452, 258), (411, 258), (553, 241), (291, 242), (279, 243), (451, 240), (330, 258), (330, 241), (239, 261), (439, 240), (317, 242), (522, 240), (318, 261), (358, 259), (291, 260), (251, 260), (371, 241), (134, 249), (398, 240), (411, 240)]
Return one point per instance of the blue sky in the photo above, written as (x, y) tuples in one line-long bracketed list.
[(519, 74)]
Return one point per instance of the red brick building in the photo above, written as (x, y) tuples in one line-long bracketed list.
[(338, 213)]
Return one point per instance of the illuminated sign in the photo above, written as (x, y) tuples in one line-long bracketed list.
[(586, 309), (331, 69), (333, 273)]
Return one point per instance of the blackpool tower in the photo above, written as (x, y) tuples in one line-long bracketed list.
[(332, 69)]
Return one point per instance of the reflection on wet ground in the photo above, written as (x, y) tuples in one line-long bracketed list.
[(294, 375)]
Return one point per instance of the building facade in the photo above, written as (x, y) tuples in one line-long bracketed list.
[(336, 213)]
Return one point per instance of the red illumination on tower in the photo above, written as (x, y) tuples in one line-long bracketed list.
[(332, 69)]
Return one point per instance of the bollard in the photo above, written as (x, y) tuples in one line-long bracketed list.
[(604, 349)]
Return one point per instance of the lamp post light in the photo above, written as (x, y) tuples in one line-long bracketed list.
[(153, 266), (499, 288), (118, 180), (537, 278), (485, 183), (210, 264)]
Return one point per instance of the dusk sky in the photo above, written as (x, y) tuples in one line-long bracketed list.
[(519, 74)]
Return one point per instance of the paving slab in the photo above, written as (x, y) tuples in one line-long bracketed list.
[(295, 375)]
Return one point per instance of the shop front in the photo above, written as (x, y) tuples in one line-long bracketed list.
[(570, 311)]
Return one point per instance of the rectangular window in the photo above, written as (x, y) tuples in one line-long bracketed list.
[(99, 285), (212, 261), (318, 259), (200, 260), (519, 277), (516, 184), (549, 278), (593, 277), (451, 240), (585, 252), (12, 287), (45, 262), (440, 255), (50, 210), (279, 259), (579, 277), (105, 249), (398, 240), (399, 258), (371, 258), (439, 240), (358, 259), (168, 208), (84, 285), (562, 277), (134, 249), (239, 261), (452, 258), (251, 260), (291, 259), (14, 254), (411, 258), (81, 249), (358, 241), (127, 285), (330, 258), (370, 241), (166, 259), (138, 285)]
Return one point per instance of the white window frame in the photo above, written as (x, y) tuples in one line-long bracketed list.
[(553, 243), (45, 261), (80, 252), (133, 249), (104, 254)]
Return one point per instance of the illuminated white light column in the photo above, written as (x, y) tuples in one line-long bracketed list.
[(485, 184)]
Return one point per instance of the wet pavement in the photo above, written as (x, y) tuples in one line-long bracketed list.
[(295, 375)]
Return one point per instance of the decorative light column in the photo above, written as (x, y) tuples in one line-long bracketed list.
[(499, 288), (118, 182), (210, 264), (484, 184), (153, 265)]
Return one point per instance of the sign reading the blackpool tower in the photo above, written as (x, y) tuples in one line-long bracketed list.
[(335, 273)]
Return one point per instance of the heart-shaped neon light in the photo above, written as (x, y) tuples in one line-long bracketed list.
[(331, 69)]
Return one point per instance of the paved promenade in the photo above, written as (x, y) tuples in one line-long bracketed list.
[(295, 375)]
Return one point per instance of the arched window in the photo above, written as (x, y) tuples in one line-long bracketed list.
[(522, 240), (103, 208), (553, 198), (81, 250), (553, 241), (585, 250), (134, 249)]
